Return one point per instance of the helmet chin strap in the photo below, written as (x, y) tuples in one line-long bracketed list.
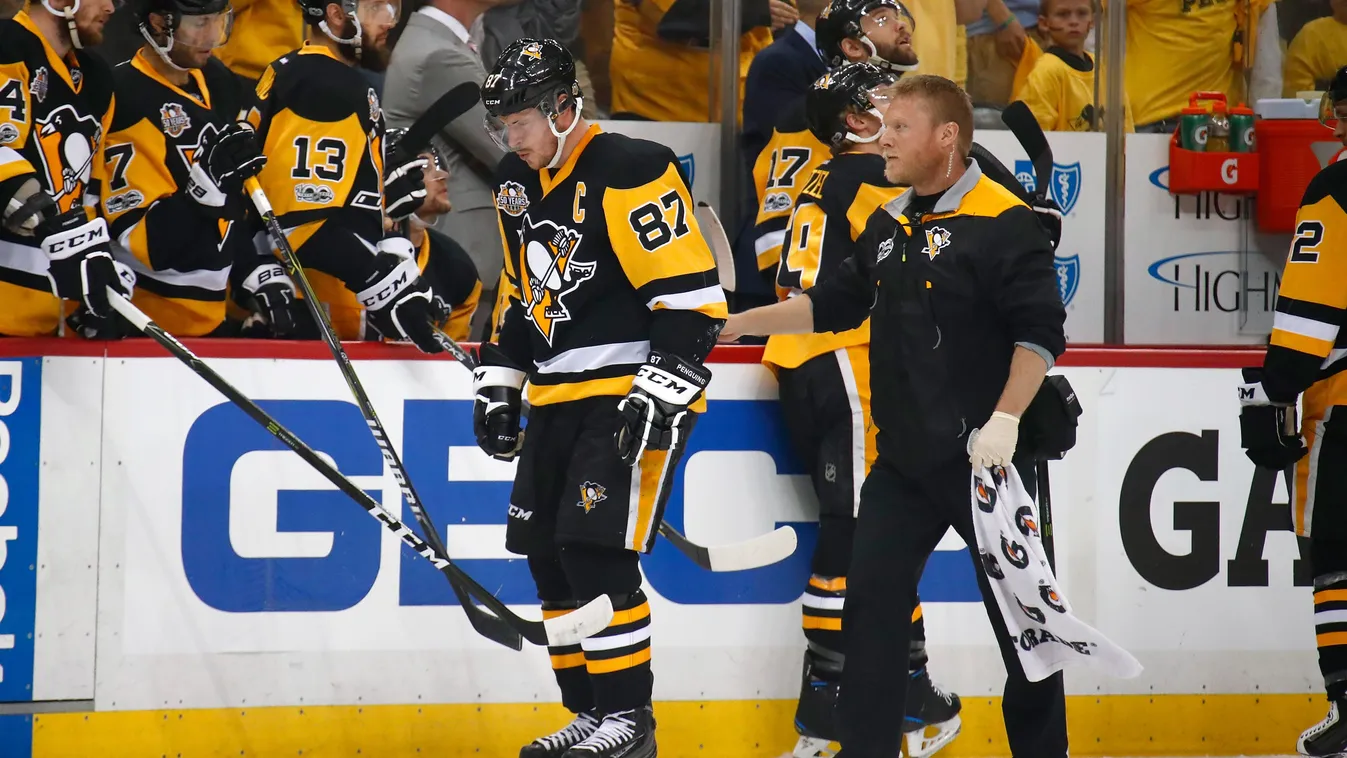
[(162, 50), (69, 15), (353, 41), (852, 137), (882, 62), (561, 136)]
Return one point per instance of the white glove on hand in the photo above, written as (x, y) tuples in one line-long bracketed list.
[(994, 443)]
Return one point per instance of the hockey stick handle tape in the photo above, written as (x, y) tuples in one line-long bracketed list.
[(130, 312), (259, 197)]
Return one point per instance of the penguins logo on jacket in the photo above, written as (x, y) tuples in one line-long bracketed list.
[(937, 239)]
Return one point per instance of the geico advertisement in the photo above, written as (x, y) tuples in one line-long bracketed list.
[(231, 572)]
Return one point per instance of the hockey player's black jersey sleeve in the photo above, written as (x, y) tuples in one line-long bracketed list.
[(842, 301)]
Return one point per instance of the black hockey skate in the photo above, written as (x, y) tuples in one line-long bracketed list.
[(1328, 738), (932, 716), (625, 734), (555, 744), (815, 715)]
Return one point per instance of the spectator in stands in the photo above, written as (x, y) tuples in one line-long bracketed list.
[(938, 44), (1176, 48), (1317, 51), (1060, 87), (595, 48), (781, 74), (997, 41), (264, 30), (432, 56), (661, 61)]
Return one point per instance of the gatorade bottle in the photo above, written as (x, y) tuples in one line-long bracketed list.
[(1194, 125), (1218, 140), (1241, 129)]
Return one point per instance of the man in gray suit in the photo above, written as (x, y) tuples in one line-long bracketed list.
[(434, 55)]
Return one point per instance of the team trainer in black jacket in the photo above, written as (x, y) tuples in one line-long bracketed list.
[(957, 277)]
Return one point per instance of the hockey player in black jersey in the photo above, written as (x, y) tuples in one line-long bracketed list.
[(614, 306), (56, 104), (825, 390), (176, 160), (327, 178), (876, 31)]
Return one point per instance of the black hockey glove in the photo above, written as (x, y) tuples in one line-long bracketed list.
[(497, 403), (273, 297), (404, 187), (655, 411), (225, 160), (79, 255), (1267, 431), (114, 325), (1050, 216), (399, 304)]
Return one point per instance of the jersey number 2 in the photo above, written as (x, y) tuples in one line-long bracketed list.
[(1308, 236), (331, 163), (651, 226)]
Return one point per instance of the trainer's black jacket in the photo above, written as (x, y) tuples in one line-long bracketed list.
[(949, 295)]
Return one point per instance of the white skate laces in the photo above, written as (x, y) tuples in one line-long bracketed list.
[(1330, 721), (573, 733), (616, 729)]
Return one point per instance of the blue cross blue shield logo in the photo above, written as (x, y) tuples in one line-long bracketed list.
[(1024, 171), (1068, 277), (689, 165), (1065, 185)]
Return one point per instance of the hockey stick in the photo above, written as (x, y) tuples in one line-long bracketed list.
[(1045, 512), (567, 629), (714, 232), (448, 107), (764, 550), (1021, 122), (483, 622)]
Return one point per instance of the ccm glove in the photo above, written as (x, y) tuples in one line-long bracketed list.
[(226, 159), (399, 304), (79, 255), (273, 296), (1267, 431), (404, 188), (994, 444), (114, 325), (655, 411), (497, 403)]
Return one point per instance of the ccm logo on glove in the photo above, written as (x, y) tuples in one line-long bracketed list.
[(391, 287), (76, 240)]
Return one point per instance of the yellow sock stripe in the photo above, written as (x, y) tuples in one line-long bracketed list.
[(631, 614), (568, 661), (1330, 596), (1330, 639), (835, 584), (822, 622), (549, 613), (621, 663), (916, 614)]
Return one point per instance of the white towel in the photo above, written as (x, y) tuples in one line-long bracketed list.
[(1049, 636)]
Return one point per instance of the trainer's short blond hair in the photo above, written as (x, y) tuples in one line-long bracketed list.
[(947, 101)]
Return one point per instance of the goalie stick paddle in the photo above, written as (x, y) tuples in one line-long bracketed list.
[(568, 629), (773, 547), (714, 232), (1021, 122), (481, 621)]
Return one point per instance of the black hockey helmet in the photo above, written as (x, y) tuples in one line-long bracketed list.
[(847, 89), (174, 10), (842, 20), (1336, 93), (200, 25), (529, 73), (316, 10)]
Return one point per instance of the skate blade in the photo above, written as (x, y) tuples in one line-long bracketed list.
[(924, 742), (812, 747)]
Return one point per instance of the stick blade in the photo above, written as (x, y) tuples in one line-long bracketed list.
[(714, 232), (585, 621), (770, 548)]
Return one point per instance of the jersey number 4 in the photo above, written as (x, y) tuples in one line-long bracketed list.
[(11, 97), (326, 159), (1308, 236), (658, 225)]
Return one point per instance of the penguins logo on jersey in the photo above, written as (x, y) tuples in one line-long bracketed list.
[(937, 239), (175, 119), (374, 110), (512, 199), (550, 273), (1050, 596), (68, 141), (188, 152), (1014, 552), (591, 494)]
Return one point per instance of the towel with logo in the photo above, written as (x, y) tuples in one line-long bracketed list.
[(1048, 636)]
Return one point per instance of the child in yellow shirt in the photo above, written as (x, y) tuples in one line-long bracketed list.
[(1319, 48), (1060, 87)]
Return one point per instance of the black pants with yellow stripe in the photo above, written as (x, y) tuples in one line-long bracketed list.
[(583, 517), (826, 404), (1320, 514)]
